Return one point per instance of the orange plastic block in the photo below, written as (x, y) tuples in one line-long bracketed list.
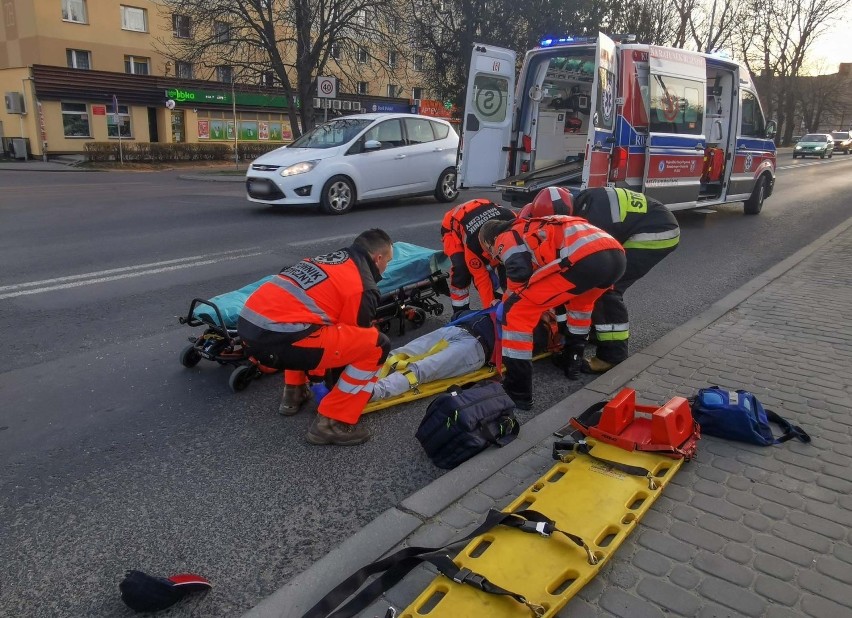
[(619, 412), (672, 424)]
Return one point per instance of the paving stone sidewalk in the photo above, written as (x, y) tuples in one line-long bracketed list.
[(742, 530)]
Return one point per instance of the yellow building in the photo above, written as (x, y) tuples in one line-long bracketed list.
[(64, 64)]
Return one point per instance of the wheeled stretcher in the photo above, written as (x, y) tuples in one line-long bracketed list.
[(410, 292)]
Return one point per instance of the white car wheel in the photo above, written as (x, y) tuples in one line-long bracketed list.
[(446, 191), (338, 196)]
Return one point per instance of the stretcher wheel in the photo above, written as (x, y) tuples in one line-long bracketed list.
[(190, 356), (241, 377)]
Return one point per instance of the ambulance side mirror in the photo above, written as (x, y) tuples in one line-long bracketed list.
[(771, 129)]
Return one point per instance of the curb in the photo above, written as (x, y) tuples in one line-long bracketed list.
[(394, 525), (212, 178)]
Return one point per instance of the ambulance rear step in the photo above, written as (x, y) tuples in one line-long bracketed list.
[(522, 187)]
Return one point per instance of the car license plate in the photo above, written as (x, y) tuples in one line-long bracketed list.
[(260, 187)]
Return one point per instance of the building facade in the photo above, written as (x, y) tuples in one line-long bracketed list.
[(80, 71)]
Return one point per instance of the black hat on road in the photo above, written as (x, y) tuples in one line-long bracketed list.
[(144, 593)]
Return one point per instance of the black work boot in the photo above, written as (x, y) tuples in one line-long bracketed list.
[(325, 430), (518, 382), (573, 361), (293, 399)]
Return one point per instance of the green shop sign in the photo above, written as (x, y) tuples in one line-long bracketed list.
[(224, 98)]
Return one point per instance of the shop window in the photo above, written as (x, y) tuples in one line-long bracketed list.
[(134, 18), (363, 88), (224, 74), (180, 26), (418, 62), (75, 120), (362, 55), (417, 93), (393, 90), (78, 58), (74, 10), (136, 65), (183, 69), (120, 123), (677, 105), (221, 32)]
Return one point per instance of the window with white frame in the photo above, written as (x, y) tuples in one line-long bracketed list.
[(417, 93), (418, 62), (133, 18), (363, 87), (224, 74), (183, 69), (75, 10), (180, 26), (221, 31), (391, 59), (78, 59), (120, 123), (362, 55), (75, 120), (137, 65), (335, 51), (393, 90)]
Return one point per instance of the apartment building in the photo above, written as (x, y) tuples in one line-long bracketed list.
[(78, 71)]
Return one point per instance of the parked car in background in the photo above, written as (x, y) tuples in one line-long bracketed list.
[(358, 158), (842, 141), (814, 145)]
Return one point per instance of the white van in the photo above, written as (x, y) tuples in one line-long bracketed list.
[(683, 127)]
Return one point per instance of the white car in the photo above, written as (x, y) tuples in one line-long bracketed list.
[(359, 158)]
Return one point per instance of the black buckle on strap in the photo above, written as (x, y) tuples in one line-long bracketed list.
[(466, 576)]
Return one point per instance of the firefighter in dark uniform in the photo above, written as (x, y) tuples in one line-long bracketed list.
[(550, 262), (468, 262), (318, 315), (646, 229)]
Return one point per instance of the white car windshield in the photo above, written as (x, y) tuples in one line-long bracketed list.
[(814, 138), (331, 134)]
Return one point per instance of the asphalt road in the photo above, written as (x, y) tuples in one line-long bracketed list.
[(113, 456)]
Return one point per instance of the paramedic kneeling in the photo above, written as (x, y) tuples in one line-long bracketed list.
[(468, 262), (549, 262), (318, 315)]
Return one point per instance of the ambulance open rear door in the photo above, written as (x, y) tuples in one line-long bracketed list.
[(487, 127), (600, 140)]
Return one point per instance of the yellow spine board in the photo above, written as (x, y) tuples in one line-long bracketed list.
[(584, 497), (436, 387)]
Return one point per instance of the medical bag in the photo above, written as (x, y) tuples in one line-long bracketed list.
[(463, 422)]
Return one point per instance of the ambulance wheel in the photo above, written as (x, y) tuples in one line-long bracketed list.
[(338, 196), (754, 204), (190, 356), (445, 190), (241, 377)]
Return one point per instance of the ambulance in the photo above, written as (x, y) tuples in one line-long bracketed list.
[(683, 127)]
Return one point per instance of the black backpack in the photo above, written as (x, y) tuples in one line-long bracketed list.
[(463, 422)]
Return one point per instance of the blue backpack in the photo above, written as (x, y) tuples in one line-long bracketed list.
[(738, 415)]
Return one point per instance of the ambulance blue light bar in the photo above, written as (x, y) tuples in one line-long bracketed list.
[(550, 42), (568, 40)]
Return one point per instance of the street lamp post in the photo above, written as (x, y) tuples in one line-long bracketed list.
[(234, 111)]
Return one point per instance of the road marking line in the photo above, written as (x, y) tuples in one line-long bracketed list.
[(316, 241), (128, 275), (412, 226), (100, 273)]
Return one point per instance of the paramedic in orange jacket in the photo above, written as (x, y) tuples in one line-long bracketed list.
[(318, 315), (549, 262), (468, 261)]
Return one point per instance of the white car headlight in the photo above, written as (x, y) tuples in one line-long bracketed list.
[(299, 168), (819, 147), (798, 148)]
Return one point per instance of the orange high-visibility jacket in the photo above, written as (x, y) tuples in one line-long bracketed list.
[(460, 236), (534, 248), (336, 288)]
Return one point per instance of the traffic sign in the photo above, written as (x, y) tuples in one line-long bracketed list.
[(327, 87)]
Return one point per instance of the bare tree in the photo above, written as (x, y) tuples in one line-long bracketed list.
[(775, 43), (290, 41)]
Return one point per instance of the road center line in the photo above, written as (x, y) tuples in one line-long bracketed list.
[(100, 273), (128, 275)]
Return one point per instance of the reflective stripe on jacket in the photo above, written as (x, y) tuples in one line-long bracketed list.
[(336, 288), (633, 219)]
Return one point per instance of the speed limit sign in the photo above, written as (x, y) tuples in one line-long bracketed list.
[(327, 87)]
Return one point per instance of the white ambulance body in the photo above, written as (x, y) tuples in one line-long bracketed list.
[(683, 127)]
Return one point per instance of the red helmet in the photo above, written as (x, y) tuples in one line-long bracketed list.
[(549, 201)]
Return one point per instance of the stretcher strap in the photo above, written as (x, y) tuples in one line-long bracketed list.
[(581, 446), (398, 362), (391, 569)]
